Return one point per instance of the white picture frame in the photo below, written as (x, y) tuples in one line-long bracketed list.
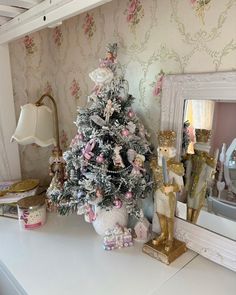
[(219, 86)]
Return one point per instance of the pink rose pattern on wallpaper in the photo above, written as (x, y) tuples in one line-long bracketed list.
[(146, 48), (57, 36), (89, 25), (29, 44), (200, 7), (158, 84), (74, 89), (34, 145), (134, 12), (48, 88)]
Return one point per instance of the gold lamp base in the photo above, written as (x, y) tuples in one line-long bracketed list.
[(158, 251)]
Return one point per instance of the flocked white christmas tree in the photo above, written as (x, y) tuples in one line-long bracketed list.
[(106, 163)]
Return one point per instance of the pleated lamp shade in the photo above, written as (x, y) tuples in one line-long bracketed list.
[(35, 125)]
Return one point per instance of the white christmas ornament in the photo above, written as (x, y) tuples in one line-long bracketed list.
[(101, 76), (107, 219), (108, 111), (117, 159)]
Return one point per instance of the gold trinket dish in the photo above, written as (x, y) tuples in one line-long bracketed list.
[(21, 186)]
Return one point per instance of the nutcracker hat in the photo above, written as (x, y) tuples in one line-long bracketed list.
[(202, 135), (167, 138)]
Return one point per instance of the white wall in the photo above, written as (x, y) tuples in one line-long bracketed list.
[(175, 36)]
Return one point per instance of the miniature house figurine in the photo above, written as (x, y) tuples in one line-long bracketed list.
[(142, 230)]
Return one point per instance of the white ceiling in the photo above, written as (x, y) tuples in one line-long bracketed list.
[(33, 15), (11, 8)]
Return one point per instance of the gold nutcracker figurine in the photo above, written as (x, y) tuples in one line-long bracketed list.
[(168, 178), (200, 169)]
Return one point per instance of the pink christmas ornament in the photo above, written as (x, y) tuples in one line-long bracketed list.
[(90, 215), (99, 193), (130, 114), (100, 159), (87, 151), (80, 136), (117, 203), (129, 195), (125, 132)]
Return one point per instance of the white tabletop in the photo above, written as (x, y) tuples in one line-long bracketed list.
[(66, 257)]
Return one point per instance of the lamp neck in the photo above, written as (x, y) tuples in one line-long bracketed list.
[(38, 103)]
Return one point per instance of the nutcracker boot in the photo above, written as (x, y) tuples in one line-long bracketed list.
[(195, 215), (170, 238), (189, 214), (162, 237)]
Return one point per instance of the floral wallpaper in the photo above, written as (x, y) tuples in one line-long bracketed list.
[(155, 37)]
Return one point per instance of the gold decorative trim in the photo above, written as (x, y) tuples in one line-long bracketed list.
[(21, 186)]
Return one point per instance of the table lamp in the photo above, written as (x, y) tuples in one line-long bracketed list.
[(37, 125)]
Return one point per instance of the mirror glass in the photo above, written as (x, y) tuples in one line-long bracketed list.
[(209, 157)]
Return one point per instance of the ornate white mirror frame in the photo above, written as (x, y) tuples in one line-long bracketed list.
[(176, 89), (229, 152)]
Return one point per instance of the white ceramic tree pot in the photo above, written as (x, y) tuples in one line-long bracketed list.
[(107, 219)]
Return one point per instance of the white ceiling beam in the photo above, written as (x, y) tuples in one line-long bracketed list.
[(4, 19), (20, 3), (36, 11), (38, 18), (10, 11)]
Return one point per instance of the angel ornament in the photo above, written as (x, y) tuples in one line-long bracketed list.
[(57, 168), (138, 164), (110, 60), (117, 159), (108, 111)]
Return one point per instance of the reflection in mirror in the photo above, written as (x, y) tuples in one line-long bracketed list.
[(209, 157), (230, 168)]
